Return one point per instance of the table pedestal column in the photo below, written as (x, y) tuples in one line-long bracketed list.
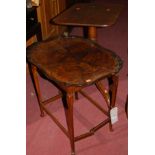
[(92, 34)]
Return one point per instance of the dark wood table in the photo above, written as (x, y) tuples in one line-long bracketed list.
[(72, 64), (91, 15)]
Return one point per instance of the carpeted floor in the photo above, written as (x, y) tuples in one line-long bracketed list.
[(45, 138)]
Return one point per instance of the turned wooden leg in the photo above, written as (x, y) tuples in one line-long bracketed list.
[(34, 76), (92, 34), (113, 84), (68, 100), (103, 92)]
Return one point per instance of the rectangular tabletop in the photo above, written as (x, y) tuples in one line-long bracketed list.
[(89, 14)]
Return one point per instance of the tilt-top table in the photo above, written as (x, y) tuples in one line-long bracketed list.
[(91, 15)]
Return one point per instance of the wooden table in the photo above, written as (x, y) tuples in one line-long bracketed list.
[(72, 64), (91, 15)]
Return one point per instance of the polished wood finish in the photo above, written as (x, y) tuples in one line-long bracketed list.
[(33, 72), (92, 33), (113, 84), (52, 99), (75, 61), (68, 101), (91, 15), (55, 120), (104, 92), (93, 130), (49, 9), (71, 64)]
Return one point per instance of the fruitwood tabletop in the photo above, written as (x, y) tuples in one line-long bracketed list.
[(90, 15)]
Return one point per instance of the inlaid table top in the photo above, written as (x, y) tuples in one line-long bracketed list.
[(73, 60), (89, 14)]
